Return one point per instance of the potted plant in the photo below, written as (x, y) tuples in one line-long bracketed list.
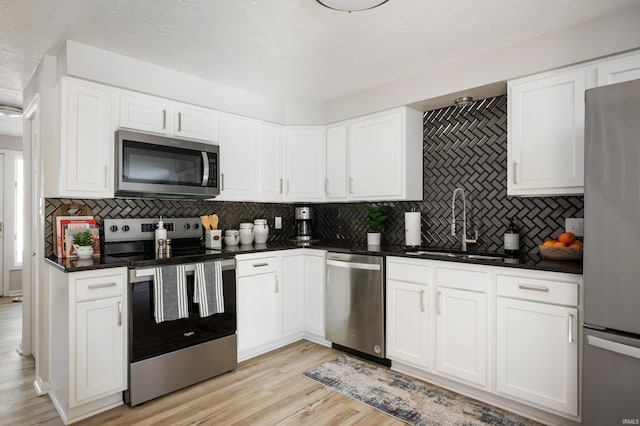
[(83, 243), (376, 217)]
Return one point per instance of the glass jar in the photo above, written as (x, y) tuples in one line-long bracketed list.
[(260, 231), (246, 233), (231, 237)]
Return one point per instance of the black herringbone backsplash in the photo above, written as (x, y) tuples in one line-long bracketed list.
[(463, 147), (467, 148)]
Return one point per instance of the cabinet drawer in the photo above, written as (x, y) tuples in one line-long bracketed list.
[(542, 290), (99, 287), (463, 279), (259, 265), (408, 272)]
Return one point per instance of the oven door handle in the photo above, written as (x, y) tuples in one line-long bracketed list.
[(138, 275), (205, 168)]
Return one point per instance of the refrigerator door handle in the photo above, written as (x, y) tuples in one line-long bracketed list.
[(616, 347)]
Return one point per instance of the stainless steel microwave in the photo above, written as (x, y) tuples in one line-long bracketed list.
[(149, 165)]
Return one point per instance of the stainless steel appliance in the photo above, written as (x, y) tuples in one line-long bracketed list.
[(170, 355), (354, 303), (150, 165), (611, 364), (304, 223)]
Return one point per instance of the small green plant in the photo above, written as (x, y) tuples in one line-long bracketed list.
[(83, 238), (377, 216)]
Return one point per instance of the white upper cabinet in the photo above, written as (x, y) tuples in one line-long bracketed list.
[(157, 115), (336, 180), (239, 158), (546, 133), (84, 168), (146, 113), (376, 157), (305, 160), (271, 155), (618, 70)]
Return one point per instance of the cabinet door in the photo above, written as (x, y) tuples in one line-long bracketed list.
[(86, 140), (619, 70), (146, 113), (461, 334), (238, 158), (292, 294), (314, 294), (336, 181), (259, 310), (537, 353), (271, 177), (408, 322), (195, 123), (100, 363), (376, 157), (305, 156), (546, 135)]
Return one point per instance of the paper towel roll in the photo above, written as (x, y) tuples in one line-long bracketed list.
[(412, 229)]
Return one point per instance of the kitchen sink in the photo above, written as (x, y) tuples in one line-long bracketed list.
[(433, 253), (458, 255), (482, 257)]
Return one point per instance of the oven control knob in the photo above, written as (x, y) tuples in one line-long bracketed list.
[(187, 226), (113, 228), (125, 228)]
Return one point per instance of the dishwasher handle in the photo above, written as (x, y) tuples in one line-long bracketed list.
[(354, 265)]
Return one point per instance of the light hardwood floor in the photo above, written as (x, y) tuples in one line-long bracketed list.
[(267, 390)]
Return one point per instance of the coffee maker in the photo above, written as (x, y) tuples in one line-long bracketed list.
[(304, 230)]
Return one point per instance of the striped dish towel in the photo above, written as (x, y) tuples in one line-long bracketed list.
[(208, 291), (170, 293)]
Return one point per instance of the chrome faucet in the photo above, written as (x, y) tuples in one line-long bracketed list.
[(465, 240)]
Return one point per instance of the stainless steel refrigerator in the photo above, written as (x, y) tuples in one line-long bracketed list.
[(611, 346)]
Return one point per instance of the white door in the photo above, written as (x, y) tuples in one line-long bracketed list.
[(461, 334), (195, 123), (292, 293), (259, 311), (314, 294), (408, 322), (146, 113), (271, 178), (336, 181), (305, 154), (4, 290), (239, 158), (618, 70), (537, 353)]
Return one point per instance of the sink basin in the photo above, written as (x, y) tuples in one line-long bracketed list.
[(482, 257), (432, 253)]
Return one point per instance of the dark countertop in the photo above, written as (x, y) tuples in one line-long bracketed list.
[(531, 261)]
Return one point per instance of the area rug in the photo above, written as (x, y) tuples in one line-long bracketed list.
[(407, 399)]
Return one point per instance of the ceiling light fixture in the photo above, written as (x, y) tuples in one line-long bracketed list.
[(351, 5), (463, 101), (9, 111)]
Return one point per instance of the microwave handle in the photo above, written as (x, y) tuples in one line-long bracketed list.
[(205, 169)]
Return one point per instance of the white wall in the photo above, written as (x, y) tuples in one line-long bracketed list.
[(594, 39), (12, 273), (11, 142)]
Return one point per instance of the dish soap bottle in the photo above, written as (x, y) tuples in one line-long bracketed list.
[(161, 233), (512, 240)]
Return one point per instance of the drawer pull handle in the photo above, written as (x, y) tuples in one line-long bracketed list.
[(97, 286), (164, 119), (438, 302), (119, 314), (259, 265), (570, 328), (276, 282), (421, 300), (533, 288)]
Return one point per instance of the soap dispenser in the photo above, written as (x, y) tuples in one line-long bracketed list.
[(512, 240), (161, 233)]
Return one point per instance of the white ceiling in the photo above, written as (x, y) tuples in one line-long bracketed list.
[(292, 50)]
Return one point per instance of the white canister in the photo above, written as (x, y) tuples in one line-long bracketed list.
[(260, 231), (212, 238), (231, 237), (246, 233)]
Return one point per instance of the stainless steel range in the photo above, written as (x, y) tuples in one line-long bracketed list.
[(168, 355)]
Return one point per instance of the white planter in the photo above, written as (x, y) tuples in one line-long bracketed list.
[(84, 252), (373, 238)]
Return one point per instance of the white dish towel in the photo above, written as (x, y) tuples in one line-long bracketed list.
[(170, 293), (208, 291)]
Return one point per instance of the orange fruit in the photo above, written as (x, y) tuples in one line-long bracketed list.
[(549, 243), (560, 244), (576, 244), (567, 237)]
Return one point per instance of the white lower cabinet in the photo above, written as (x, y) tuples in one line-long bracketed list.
[(507, 336), (88, 341), (461, 334), (313, 294), (292, 293)]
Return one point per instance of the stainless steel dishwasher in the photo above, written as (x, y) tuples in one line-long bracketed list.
[(354, 302)]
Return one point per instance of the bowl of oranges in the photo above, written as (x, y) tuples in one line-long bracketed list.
[(565, 247)]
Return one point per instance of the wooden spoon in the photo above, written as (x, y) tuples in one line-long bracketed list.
[(206, 222), (213, 221)]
